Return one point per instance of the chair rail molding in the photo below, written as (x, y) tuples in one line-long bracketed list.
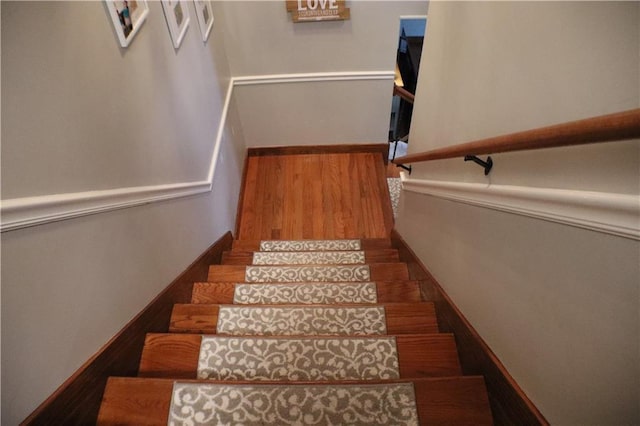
[(616, 214), (252, 80), (24, 212)]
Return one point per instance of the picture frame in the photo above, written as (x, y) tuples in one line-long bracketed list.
[(204, 16), (127, 17), (177, 15)]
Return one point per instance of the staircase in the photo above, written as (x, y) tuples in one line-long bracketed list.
[(301, 332)]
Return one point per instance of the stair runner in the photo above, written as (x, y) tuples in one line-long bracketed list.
[(301, 332)]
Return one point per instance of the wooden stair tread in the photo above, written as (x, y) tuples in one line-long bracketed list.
[(377, 271), (439, 401), (366, 244), (387, 292), (176, 355), (238, 257), (401, 318)]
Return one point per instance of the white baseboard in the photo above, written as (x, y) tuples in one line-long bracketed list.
[(616, 214)]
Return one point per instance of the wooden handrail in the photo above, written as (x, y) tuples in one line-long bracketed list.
[(604, 128), (403, 93)]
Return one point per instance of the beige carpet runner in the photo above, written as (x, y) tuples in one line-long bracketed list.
[(309, 245), (384, 404), (305, 293), (298, 359), (301, 320), (295, 274), (309, 258)]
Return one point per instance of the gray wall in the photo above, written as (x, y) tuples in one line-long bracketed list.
[(557, 304), (82, 114), (262, 40)]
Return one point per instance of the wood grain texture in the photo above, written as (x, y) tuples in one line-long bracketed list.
[(440, 401), (459, 401), (605, 128), (402, 318), (189, 318), (236, 257), (172, 356), (77, 400), (315, 196), (378, 271), (509, 403), (387, 292), (176, 356), (140, 402)]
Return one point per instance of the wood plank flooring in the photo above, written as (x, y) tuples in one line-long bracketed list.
[(315, 196)]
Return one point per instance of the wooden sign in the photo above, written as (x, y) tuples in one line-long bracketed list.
[(318, 10)]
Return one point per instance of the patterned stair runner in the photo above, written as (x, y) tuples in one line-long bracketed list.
[(383, 404), (309, 258), (301, 320), (296, 359), (309, 245), (294, 274), (305, 293)]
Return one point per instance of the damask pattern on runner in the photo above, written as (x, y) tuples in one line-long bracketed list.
[(294, 274), (298, 359), (384, 404), (305, 293), (309, 245), (309, 258), (301, 320)]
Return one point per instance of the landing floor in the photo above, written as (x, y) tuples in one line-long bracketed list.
[(315, 196)]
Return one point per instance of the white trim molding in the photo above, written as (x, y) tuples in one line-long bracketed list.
[(616, 214), (30, 211), (25, 212), (313, 77)]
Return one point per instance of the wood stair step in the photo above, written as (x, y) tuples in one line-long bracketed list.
[(312, 245), (193, 356), (224, 293), (396, 318), (324, 273), (438, 401), (353, 257)]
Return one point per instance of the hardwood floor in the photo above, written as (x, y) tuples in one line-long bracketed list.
[(315, 196)]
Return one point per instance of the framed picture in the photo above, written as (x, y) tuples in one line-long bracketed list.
[(177, 14), (128, 17), (204, 14)]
